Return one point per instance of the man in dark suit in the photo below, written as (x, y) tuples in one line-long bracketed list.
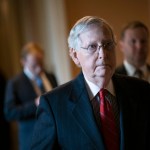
[(5, 138), (23, 92), (71, 117), (134, 45)]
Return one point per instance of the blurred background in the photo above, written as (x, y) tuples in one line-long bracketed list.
[(48, 22)]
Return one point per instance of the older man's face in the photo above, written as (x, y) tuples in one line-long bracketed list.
[(101, 63)]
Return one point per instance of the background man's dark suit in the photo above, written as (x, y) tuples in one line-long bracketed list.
[(20, 106), (122, 70), (66, 118), (5, 141)]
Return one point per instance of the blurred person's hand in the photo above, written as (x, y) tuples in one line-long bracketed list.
[(37, 101)]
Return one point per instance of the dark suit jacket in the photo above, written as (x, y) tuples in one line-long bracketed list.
[(122, 70), (5, 141), (66, 119), (20, 106)]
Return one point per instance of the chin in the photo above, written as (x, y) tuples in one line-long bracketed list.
[(100, 74), (104, 73)]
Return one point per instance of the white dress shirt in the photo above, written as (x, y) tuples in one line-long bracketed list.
[(131, 71), (47, 85), (94, 89)]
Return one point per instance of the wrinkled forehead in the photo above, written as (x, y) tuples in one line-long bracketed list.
[(104, 28), (101, 29)]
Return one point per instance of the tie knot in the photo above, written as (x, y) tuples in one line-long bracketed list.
[(38, 81), (106, 95), (139, 73), (102, 93)]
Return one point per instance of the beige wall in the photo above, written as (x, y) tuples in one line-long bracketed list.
[(45, 22), (10, 39), (116, 12), (22, 21)]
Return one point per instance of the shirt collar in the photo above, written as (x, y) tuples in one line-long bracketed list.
[(93, 89), (131, 69), (28, 73)]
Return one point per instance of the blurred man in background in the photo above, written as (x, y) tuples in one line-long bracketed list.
[(23, 92), (134, 44)]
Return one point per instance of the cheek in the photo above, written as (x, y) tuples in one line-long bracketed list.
[(31, 68), (87, 62), (37, 70), (91, 65), (130, 49), (113, 60), (126, 48)]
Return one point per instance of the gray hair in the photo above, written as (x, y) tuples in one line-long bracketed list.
[(81, 25)]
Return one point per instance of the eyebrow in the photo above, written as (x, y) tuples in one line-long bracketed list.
[(103, 41)]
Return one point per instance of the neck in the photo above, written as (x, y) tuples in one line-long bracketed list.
[(137, 65), (101, 82)]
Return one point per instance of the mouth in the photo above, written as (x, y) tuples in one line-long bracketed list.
[(102, 66)]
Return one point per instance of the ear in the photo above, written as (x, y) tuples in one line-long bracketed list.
[(73, 55)]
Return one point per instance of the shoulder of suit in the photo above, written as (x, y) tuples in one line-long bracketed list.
[(121, 69), (66, 88), (61, 89), (129, 80), (18, 77), (148, 66), (131, 86)]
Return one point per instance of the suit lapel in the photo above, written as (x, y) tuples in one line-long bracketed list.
[(28, 84), (125, 119), (122, 127), (126, 112), (83, 113)]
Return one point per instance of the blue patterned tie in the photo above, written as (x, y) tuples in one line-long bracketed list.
[(40, 84)]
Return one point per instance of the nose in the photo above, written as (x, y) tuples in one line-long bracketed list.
[(139, 45), (101, 52), (101, 46)]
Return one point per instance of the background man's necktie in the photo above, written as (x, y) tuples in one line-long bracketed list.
[(108, 123), (139, 73), (40, 84)]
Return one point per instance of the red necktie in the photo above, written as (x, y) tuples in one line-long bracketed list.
[(108, 124)]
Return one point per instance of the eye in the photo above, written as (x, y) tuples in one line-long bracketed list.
[(109, 45), (92, 47), (132, 42)]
